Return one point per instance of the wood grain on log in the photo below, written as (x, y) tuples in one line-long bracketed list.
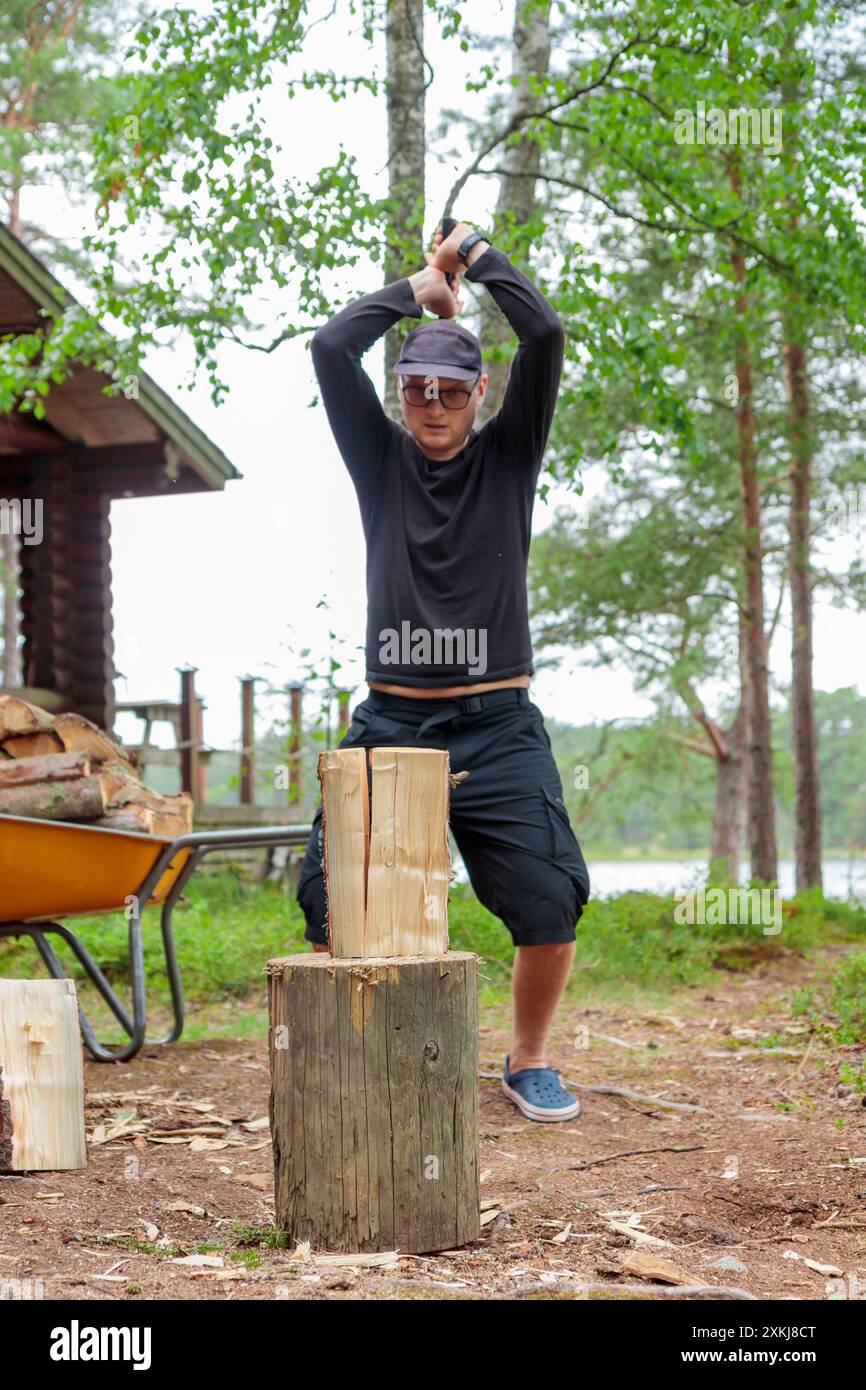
[(24, 772), (135, 818), (410, 860), (346, 830), (20, 717), (41, 1077), (374, 1101), (78, 734), (43, 745)]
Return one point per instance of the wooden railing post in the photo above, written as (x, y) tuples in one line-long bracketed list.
[(190, 719), (248, 757), (295, 732)]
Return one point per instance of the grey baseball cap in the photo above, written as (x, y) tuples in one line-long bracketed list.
[(444, 348)]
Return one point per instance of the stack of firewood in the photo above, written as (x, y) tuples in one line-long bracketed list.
[(62, 767)]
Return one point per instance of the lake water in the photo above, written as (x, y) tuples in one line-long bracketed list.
[(842, 878)]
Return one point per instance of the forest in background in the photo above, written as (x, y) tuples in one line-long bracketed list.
[(633, 788), (684, 180), (650, 795)]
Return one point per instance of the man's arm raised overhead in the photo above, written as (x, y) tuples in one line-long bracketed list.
[(356, 416), (522, 423)]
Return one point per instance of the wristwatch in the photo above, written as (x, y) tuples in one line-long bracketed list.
[(466, 246)]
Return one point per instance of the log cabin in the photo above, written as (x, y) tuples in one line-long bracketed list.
[(89, 449)]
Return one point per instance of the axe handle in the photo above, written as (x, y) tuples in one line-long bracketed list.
[(448, 225)]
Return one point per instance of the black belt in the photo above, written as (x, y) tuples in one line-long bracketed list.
[(443, 709)]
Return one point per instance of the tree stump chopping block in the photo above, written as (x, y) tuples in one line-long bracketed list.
[(374, 1100)]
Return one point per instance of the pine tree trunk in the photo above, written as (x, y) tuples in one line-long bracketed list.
[(516, 202), (806, 775), (407, 73), (762, 818), (727, 833)]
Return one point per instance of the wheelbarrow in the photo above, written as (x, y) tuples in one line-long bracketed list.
[(56, 869)]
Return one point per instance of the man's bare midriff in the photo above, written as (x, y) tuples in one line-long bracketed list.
[(449, 691)]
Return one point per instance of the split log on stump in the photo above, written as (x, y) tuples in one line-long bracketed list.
[(410, 858), (41, 1077), (62, 767), (387, 871), (374, 1101), (45, 745), (84, 798), (346, 830)]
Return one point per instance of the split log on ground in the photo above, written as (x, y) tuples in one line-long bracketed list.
[(41, 1077), (62, 767), (43, 745), (374, 1101), (78, 734), (83, 798), (646, 1265), (410, 859), (20, 717), (346, 831)]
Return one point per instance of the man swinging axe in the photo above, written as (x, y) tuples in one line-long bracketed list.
[(447, 512)]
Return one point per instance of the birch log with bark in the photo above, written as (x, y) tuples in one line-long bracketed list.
[(26, 772), (82, 798)]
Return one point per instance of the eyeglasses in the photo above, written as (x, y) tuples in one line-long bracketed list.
[(453, 398)]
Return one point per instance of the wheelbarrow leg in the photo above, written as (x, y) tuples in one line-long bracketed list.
[(136, 1025), (90, 968), (171, 963), (199, 843)]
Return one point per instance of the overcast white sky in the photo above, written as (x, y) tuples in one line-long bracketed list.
[(230, 582)]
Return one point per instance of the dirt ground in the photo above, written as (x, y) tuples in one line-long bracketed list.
[(768, 1174)]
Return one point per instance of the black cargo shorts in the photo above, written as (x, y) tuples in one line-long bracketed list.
[(507, 817)]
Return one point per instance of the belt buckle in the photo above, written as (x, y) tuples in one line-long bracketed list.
[(471, 704)]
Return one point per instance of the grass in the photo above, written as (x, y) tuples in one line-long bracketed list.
[(838, 1006), (228, 928)]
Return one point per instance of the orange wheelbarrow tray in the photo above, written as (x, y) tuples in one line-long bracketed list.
[(57, 869)]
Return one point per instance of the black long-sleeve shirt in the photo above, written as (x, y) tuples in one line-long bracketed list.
[(447, 542)]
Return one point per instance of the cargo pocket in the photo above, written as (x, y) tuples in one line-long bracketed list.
[(564, 848)]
